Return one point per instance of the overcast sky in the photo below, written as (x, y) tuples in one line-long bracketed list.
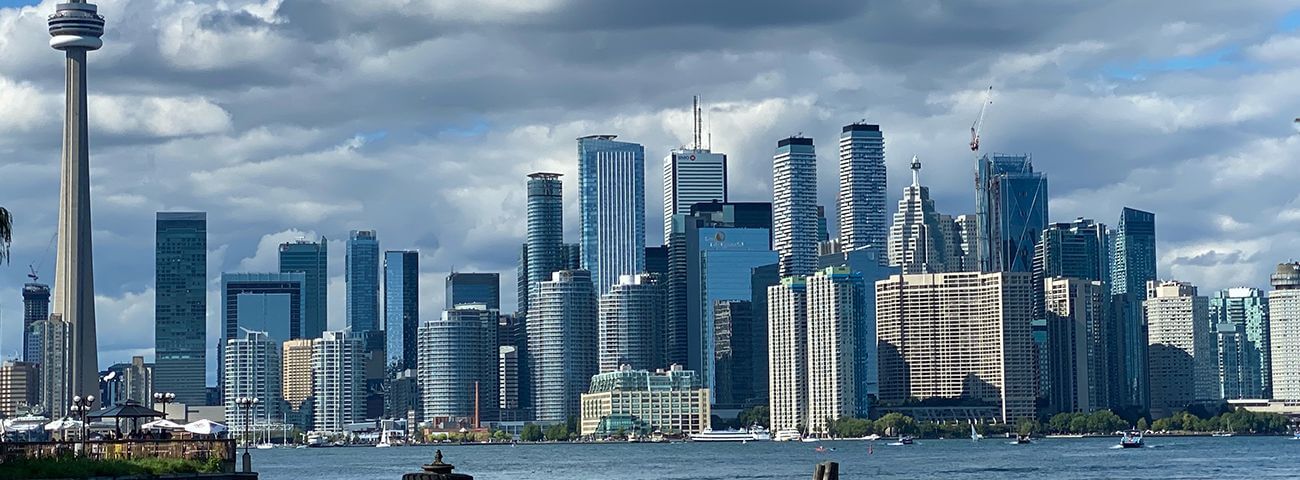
[(421, 118)]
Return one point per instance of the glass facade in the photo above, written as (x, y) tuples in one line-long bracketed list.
[(1012, 211), (1132, 265), (611, 203), (263, 302), (1246, 310), (36, 307), (401, 307), (312, 259), (180, 305), (794, 205), (473, 288), (863, 183), (362, 277)]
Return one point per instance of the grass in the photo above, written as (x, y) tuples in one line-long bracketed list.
[(72, 467)]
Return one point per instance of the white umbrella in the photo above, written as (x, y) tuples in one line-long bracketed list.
[(62, 424), (204, 427), (162, 424)]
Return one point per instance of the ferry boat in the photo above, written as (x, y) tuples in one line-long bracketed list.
[(786, 435), (741, 435), (1131, 440)]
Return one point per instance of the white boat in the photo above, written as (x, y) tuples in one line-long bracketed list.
[(974, 435), (786, 435), (742, 435), (265, 446), (871, 438), (383, 440)]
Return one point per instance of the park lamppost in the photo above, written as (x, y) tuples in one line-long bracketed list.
[(246, 404), (164, 398), (81, 409)]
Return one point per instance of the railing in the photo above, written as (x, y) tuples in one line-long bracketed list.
[(189, 449)]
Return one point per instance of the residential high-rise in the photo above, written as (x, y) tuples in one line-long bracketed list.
[(36, 307), (18, 387), (611, 205), (962, 337), (1247, 309), (787, 326), (544, 250), (835, 304), (733, 358), (641, 402), (401, 307), (180, 305), (863, 183), (362, 277), (253, 370), (1011, 206), (794, 205), (338, 380), (1075, 314), (866, 264), (1070, 250), (562, 344), (464, 288), (1132, 265), (631, 324), (458, 366), (296, 381), (55, 386), (507, 379), (917, 242), (692, 175), (312, 259), (76, 28), (1237, 363), (1284, 331), (127, 381), (1181, 345), (263, 302)]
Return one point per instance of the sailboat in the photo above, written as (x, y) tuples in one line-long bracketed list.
[(974, 435), (383, 437)]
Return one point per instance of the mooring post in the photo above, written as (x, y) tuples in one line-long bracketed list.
[(826, 471)]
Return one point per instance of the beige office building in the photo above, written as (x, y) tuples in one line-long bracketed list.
[(1181, 358), (956, 335), (18, 387), (642, 402)]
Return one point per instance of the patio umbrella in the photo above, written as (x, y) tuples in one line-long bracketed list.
[(163, 424), (62, 424), (204, 427)]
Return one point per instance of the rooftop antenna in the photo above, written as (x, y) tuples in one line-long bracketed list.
[(710, 122), (695, 110)]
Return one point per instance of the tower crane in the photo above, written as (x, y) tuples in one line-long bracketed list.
[(979, 123)]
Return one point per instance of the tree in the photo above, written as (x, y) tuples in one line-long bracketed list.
[(1026, 426), (557, 432), (6, 234), (1142, 424), (896, 424), (757, 415), (531, 433)]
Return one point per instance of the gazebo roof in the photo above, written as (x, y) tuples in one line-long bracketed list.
[(127, 409)]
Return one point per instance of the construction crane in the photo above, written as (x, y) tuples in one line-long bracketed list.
[(979, 123), (31, 268)]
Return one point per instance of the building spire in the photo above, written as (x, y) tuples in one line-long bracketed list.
[(916, 171)]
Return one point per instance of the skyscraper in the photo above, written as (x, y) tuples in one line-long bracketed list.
[(835, 303), (733, 358), (252, 369), (271, 303), (1237, 363), (963, 337), (917, 242), (55, 384), (401, 307), (1246, 309), (631, 324), (865, 264), (545, 244), (692, 175), (1284, 331), (787, 326), (611, 203), (312, 259), (296, 381), (562, 344), (1075, 314), (180, 305), (863, 183), (458, 366), (473, 288), (1072, 250), (1182, 359), (19, 382), (1011, 207), (794, 205), (338, 380), (76, 28), (36, 307), (1132, 265), (362, 281)]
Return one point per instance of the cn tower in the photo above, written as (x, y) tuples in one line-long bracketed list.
[(75, 29)]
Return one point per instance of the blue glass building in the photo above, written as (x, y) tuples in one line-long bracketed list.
[(362, 278), (401, 307), (180, 305), (473, 288), (263, 302), (312, 259), (611, 204), (1011, 212), (1133, 264)]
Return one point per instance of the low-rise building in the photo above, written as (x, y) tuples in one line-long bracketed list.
[(642, 402)]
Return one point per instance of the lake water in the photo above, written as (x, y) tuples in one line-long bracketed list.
[(1073, 459)]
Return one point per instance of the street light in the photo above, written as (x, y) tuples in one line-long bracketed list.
[(164, 398), (81, 408), (246, 404)]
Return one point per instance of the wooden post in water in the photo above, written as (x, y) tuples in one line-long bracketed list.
[(826, 471)]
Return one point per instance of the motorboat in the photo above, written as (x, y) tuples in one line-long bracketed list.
[(786, 435), (871, 438), (904, 440), (1131, 440), (741, 435), (1023, 440)]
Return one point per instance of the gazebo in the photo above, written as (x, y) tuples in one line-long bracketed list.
[(130, 410)]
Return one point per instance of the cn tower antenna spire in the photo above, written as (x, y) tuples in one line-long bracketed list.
[(695, 111)]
